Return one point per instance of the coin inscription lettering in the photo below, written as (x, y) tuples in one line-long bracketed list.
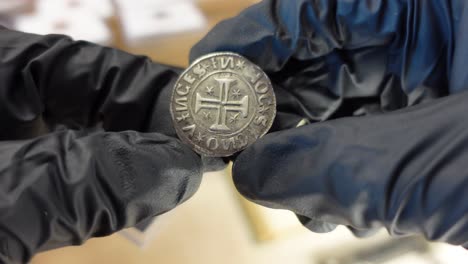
[(221, 104)]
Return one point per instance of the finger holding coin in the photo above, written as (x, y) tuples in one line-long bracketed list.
[(221, 104)]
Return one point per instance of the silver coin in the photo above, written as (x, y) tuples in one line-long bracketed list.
[(221, 104)]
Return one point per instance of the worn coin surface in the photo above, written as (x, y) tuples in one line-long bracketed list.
[(221, 104)]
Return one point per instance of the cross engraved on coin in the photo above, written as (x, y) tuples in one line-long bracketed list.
[(221, 104)]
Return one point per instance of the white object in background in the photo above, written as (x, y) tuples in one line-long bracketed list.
[(144, 19), (55, 17), (100, 8), (142, 5), (103, 8), (7, 7)]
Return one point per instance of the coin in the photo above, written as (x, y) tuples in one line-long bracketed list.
[(221, 104)]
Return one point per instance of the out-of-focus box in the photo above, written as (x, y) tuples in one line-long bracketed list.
[(145, 19), (79, 19)]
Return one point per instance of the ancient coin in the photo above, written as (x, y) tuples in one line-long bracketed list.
[(221, 104)]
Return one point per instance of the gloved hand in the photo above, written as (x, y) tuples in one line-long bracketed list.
[(72, 165), (402, 169)]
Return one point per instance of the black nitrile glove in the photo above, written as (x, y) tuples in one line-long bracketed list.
[(404, 170), (71, 164)]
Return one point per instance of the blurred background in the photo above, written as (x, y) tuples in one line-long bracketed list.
[(216, 225)]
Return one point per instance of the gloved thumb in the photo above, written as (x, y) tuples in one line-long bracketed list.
[(65, 187), (404, 170)]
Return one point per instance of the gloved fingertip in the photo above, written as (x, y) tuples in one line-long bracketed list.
[(184, 165), (316, 225), (156, 170), (12, 250), (244, 173), (362, 233), (263, 170)]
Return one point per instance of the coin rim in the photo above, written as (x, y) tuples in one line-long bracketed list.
[(181, 134)]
